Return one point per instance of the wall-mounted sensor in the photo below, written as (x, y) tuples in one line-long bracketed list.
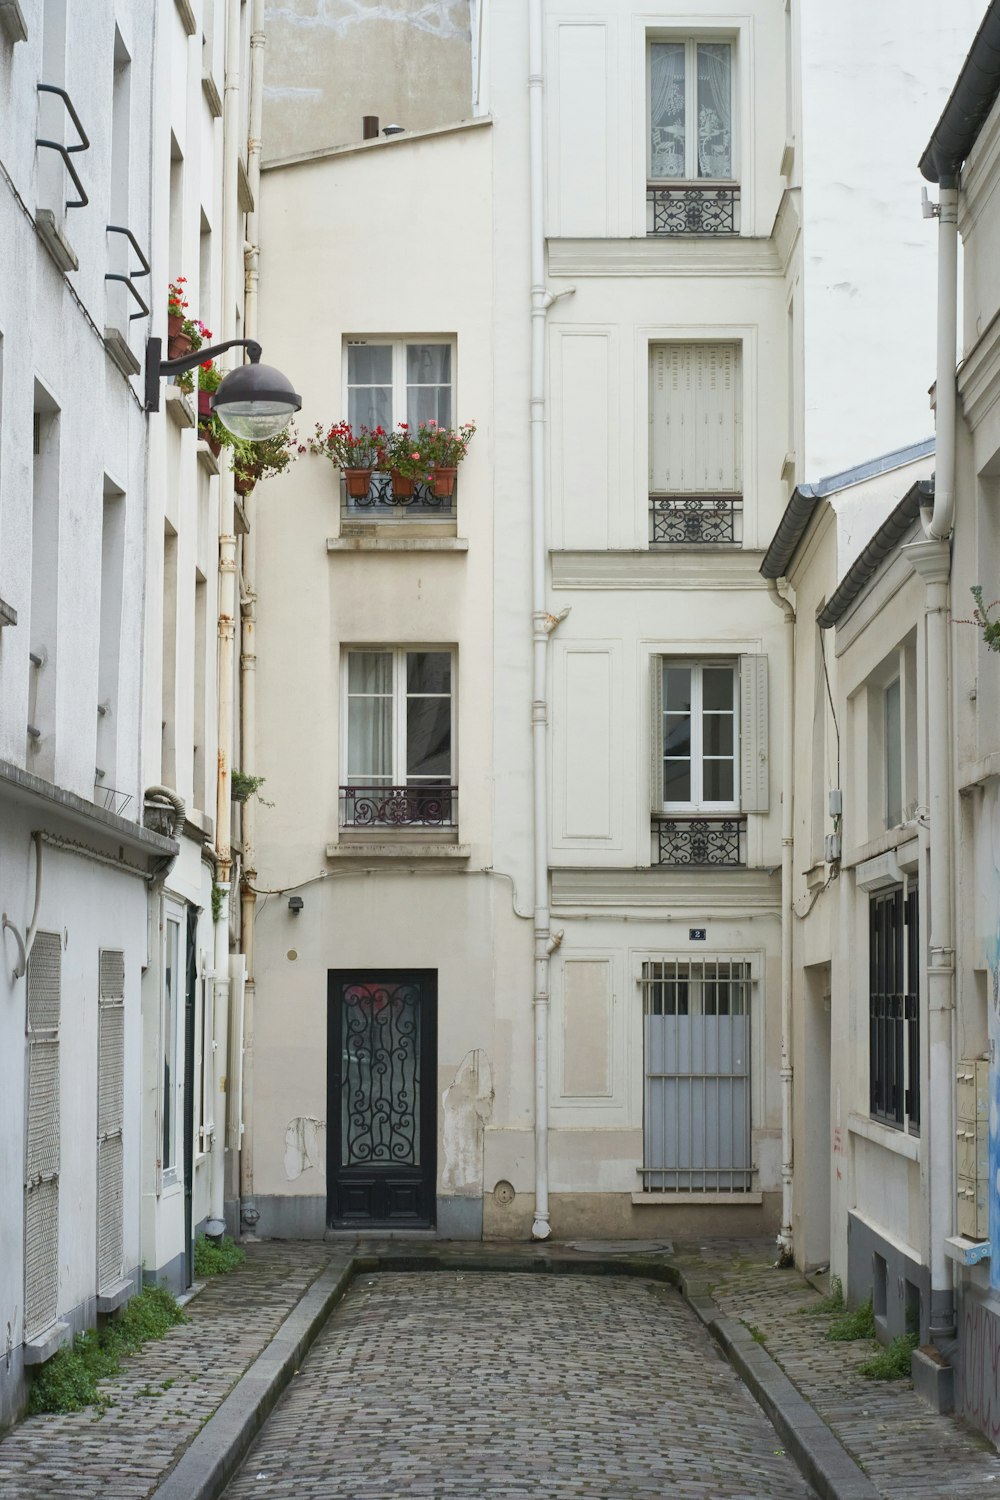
[(295, 905)]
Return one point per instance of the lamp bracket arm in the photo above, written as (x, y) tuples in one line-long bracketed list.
[(199, 356)]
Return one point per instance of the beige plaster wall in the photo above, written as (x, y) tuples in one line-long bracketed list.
[(329, 62)]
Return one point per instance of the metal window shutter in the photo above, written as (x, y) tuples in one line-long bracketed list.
[(656, 734), (754, 768), (695, 419), (41, 1163), (110, 1118), (41, 1257)]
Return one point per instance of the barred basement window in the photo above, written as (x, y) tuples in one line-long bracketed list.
[(696, 1053)]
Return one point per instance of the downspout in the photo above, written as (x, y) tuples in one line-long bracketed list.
[(781, 593), (231, 245), (248, 655), (932, 560), (541, 1227)]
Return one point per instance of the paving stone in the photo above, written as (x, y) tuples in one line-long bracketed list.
[(124, 1452), (516, 1386)]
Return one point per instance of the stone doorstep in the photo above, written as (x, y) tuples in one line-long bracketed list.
[(116, 1296), (209, 1462)]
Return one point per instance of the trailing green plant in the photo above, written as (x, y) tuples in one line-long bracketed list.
[(988, 629), (892, 1362), (858, 1323), (243, 787), (69, 1380), (211, 1259), (218, 897), (827, 1306), (251, 462)]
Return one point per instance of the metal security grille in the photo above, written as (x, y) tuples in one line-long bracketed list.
[(893, 1007), (41, 1164), (381, 1075), (696, 1036), (110, 1118)]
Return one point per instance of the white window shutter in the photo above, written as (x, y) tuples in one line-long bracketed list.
[(656, 734), (695, 419), (754, 766), (111, 1119), (42, 1147)]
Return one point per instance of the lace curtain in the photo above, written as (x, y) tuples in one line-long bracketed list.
[(670, 129)]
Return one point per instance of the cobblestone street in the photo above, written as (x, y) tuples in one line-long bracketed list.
[(516, 1386)]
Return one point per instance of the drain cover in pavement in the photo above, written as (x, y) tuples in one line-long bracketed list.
[(621, 1247)]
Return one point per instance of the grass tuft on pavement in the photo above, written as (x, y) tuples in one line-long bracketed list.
[(858, 1323), (217, 1260), (892, 1362)]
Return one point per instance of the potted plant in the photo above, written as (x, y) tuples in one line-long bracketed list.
[(405, 462), (209, 426), (356, 454), (253, 461), (442, 449), (243, 786), (183, 333)]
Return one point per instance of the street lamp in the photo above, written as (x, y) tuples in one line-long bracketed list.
[(254, 401)]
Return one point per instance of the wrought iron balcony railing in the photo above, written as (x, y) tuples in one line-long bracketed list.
[(705, 839), (704, 519), (416, 806), (380, 502), (692, 208)]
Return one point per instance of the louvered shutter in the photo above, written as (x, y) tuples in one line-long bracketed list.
[(41, 1164), (695, 419), (110, 1118), (656, 734), (754, 766)]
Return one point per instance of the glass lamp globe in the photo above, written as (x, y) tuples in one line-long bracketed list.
[(255, 402)]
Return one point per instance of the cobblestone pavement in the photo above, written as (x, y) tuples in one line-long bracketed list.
[(165, 1392), (908, 1450), (468, 1385)]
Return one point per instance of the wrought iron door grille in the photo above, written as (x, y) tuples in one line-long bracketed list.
[(701, 840), (696, 1039), (893, 1008), (692, 208), (704, 519), (380, 1124), (382, 504), (414, 806)]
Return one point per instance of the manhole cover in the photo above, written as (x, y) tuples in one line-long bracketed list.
[(622, 1247)]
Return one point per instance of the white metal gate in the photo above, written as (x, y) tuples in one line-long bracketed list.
[(41, 1156), (696, 1041), (110, 1118)]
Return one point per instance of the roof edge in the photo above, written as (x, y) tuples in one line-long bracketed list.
[(974, 95), (869, 560)]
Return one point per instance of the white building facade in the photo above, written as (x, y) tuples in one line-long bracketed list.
[(112, 149)]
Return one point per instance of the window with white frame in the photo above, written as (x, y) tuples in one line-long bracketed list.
[(691, 169), (398, 750), (700, 736), (709, 756), (690, 91), (695, 442), (398, 380)]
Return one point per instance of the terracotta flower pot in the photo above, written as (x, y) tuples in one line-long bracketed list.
[(179, 344), (243, 483), (175, 322), (358, 482), (208, 436), (443, 482), (402, 488), (204, 404)]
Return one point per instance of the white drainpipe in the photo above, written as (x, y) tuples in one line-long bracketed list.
[(932, 560), (780, 593), (231, 253), (248, 651)]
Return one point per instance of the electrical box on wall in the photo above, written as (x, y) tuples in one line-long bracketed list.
[(836, 802), (831, 848), (972, 1148)]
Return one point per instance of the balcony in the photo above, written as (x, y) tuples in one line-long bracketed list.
[(380, 503), (392, 807), (695, 520), (692, 208), (705, 839)]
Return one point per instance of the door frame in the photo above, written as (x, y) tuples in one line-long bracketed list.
[(428, 1114)]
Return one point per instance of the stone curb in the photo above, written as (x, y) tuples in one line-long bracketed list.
[(210, 1461), (207, 1465), (817, 1451)]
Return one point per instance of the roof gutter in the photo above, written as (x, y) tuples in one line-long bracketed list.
[(972, 98)]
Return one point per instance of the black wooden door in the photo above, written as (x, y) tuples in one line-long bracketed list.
[(382, 1135)]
